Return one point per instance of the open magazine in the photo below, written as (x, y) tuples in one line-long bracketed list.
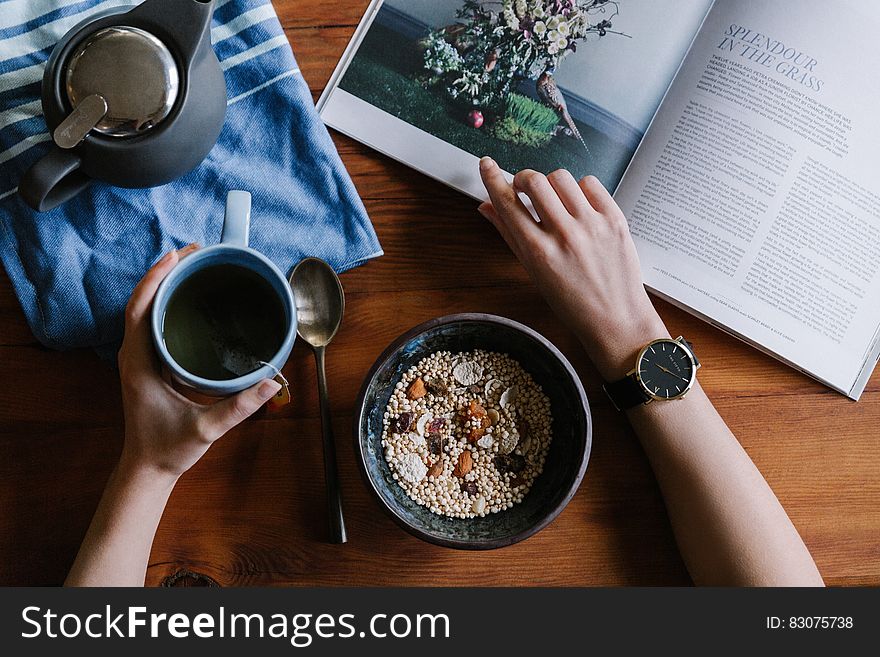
[(740, 137)]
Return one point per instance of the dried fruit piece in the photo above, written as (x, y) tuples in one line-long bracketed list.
[(467, 372), (437, 388), (476, 409), (435, 443), (516, 480), (513, 463), (474, 434), (437, 469), (469, 487), (402, 422), (416, 389), (464, 465), (475, 389), (523, 428), (435, 425)]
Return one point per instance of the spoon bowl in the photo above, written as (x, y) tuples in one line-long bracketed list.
[(320, 302)]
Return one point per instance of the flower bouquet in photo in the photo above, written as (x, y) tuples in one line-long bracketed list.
[(480, 62)]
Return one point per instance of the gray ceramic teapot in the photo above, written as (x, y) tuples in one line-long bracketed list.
[(133, 98)]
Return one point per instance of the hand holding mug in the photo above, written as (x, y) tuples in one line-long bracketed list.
[(165, 431)]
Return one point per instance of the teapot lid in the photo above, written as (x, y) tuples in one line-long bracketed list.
[(133, 71)]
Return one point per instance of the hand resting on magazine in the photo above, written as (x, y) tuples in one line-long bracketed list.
[(730, 527)]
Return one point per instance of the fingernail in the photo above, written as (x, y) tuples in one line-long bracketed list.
[(189, 248), (486, 163), (268, 389)]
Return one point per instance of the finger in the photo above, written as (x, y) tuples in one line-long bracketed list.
[(569, 192), (488, 211), (509, 208), (597, 195), (225, 414), (545, 199), (136, 342)]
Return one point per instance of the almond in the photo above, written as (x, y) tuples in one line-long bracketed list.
[(464, 465), (416, 389), (437, 469)]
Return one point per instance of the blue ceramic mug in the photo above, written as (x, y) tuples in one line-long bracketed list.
[(232, 250)]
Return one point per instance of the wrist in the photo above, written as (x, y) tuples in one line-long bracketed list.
[(134, 468), (614, 354)]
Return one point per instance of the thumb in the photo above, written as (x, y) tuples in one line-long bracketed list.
[(226, 414)]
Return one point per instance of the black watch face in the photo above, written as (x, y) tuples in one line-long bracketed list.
[(666, 369)]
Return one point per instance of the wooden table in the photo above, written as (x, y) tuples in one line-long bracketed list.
[(252, 511)]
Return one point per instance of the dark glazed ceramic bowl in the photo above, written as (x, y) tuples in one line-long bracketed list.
[(569, 450)]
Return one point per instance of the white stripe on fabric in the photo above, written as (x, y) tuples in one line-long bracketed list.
[(18, 12), (267, 83), (21, 77), (9, 193), (250, 53), (242, 22), (20, 113), (22, 146), (49, 33)]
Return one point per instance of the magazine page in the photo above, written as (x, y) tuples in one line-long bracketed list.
[(541, 84), (754, 198)]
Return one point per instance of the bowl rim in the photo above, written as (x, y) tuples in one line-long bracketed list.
[(481, 318)]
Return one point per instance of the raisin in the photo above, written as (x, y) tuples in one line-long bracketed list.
[(469, 487), (517, 463), (516, 481), (435, 443), (513, 463), (523, 428), (403, 422), (475, 389), (437, 388)]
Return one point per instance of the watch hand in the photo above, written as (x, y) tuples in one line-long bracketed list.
[(673, 374)]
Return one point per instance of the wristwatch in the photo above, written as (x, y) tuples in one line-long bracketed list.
[(665, 369)]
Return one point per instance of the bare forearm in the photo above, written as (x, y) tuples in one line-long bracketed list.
[(116, 549), (729, 525)]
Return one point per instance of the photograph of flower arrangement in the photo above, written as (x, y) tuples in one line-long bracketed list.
[(541, 84)]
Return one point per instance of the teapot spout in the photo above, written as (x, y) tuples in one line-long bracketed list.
[(182, 24)]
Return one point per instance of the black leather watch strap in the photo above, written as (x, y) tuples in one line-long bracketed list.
[(626, 393)]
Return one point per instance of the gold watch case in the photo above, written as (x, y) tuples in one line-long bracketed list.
[(680, 342)]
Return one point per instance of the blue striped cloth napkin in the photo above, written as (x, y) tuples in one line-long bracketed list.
[(73, 268)]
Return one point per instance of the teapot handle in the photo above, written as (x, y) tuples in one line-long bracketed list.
[(53, 180), (186, 23)]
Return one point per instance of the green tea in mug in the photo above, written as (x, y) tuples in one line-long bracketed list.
[(223, 322)]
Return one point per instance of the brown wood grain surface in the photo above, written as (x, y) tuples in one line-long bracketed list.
[(252, 511)]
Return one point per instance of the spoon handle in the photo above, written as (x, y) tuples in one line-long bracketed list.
[(331, 474)]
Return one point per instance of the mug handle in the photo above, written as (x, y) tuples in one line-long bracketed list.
[(237, 222), (52, 180)]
